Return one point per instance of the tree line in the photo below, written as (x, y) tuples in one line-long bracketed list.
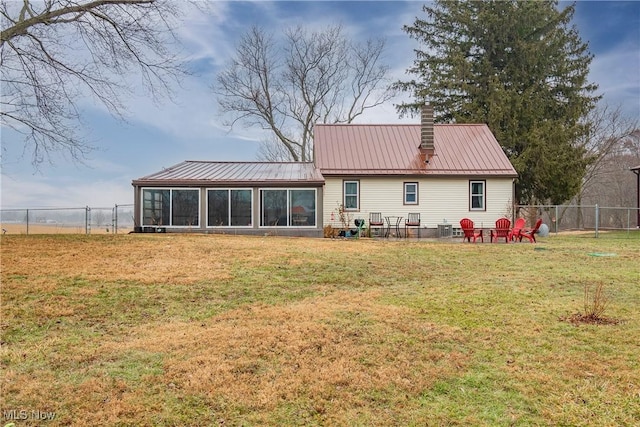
[(518, 66)]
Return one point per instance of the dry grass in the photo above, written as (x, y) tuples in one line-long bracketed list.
[(212, 330), (262, 357), (58, 228)]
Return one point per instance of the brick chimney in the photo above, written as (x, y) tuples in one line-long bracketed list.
[(427, 149)]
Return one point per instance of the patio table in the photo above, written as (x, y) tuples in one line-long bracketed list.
[(395, 220)]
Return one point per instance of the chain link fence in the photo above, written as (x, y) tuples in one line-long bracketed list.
[(565, 218), (120, 219), (85, 220)]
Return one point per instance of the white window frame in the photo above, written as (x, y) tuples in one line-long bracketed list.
[(482, 195), (406, 192), (171, 190), (228, 189), (288, 190), (357, 195)]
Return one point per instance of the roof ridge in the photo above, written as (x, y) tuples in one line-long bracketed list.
[(367, 124), (243, 162), (398, 124)]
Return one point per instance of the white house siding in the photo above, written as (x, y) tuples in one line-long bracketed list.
[(438, 199), (448, 198)]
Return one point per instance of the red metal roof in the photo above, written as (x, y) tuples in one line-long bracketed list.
[(393, 149), (234, 173)]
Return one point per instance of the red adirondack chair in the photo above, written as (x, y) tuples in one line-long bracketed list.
[(503, 229), (515, 231), (530, 233), (469, 231)]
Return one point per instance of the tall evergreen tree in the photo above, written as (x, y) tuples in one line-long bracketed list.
[(518, 66)]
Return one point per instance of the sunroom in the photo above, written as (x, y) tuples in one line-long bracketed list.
[(231, 198)]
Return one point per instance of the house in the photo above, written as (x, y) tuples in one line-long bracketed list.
[(444, 172), (231, 197)]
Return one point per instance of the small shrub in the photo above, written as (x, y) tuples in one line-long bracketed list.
[(344, 217), (595, 303), (330, 232)]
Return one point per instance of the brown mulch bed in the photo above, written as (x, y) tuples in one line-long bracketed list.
[(580, 319)]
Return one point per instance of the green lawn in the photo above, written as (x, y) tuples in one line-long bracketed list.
[(223, 330)]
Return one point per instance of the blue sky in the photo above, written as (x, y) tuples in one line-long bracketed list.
[(190, 128)]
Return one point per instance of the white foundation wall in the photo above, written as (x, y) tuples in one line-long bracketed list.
[(439, 199)]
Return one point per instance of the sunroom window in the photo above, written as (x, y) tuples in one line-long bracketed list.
[(229, 207), (185, 206), (171, 207), (288, 208), (156, 207)]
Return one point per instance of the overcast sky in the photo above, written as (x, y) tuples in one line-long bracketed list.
[(158, 136)]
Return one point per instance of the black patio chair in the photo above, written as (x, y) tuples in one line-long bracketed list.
[(412, 221), (376, 221)]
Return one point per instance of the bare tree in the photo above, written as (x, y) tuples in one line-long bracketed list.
[(308, 78), (54, 52), (609, 137), (272, 150), (612, 147)]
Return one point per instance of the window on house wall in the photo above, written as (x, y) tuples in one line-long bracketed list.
[(303, 207), (477, 195), (156, 207), (351, 192), (241, 208), (185, 208), (273, 204), (229, 207), (288, 208), (410, 193), (171, 207), (218, 208)]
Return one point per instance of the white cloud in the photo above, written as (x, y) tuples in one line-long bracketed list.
[(203, 33), (617, 76), (63, 192)]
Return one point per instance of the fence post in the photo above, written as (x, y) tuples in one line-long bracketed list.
[(87, 220), (27, 221), (555, 222), (114, 226), (597, 219)]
